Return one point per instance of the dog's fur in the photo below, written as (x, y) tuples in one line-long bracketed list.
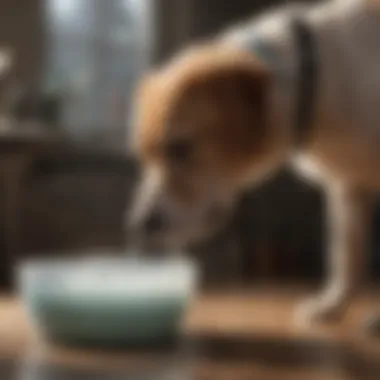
[(218, 118)]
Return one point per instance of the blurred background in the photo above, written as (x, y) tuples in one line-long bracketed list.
[(65, 173), (66, 179)]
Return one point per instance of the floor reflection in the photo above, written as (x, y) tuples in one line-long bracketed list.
[(211, 357)]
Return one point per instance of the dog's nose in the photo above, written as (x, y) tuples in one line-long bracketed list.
[(154, 223)]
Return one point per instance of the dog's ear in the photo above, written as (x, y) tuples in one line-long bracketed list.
[(249, 84), (242, 93)]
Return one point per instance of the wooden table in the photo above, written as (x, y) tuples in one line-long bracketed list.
[(237, 336)]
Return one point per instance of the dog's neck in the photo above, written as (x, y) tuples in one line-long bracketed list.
[(270, 38), (293, 58), (279, 54)]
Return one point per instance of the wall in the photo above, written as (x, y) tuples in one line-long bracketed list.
[(22, 29)]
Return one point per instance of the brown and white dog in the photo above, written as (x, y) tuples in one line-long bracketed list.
[(220, 117)]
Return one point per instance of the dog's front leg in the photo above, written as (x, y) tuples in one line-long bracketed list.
[(348, 225)]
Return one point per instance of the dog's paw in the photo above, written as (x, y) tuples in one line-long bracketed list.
[(320, 310)]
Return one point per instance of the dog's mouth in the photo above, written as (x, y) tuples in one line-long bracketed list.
[(161, 234)]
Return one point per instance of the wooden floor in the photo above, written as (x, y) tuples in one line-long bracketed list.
[(237, 336)]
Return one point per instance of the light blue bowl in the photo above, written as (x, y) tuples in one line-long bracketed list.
[(107, 302)]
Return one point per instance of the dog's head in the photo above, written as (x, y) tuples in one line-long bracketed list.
[(202, 133)]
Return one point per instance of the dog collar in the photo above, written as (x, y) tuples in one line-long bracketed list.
[(306, 74)]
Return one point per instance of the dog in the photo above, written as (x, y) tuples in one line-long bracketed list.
[(226, 113)]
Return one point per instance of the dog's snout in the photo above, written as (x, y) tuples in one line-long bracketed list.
[(154, 222)]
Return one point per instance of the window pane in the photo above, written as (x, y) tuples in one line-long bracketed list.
[(95, 54)]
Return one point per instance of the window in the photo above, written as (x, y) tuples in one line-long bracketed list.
[(95, 54)]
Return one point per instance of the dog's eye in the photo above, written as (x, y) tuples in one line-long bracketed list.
[(179, 151)]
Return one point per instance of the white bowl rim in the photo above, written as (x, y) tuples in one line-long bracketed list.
[(92, 257), (178, 269)]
